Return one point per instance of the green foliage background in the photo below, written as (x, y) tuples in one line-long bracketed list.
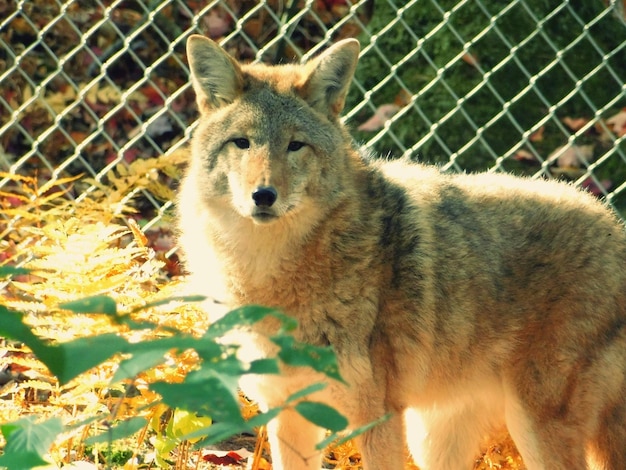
[(533, 32)]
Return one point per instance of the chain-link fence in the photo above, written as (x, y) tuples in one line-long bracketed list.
[(529, 86)]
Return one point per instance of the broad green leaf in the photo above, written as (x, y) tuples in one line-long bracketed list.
[(80, 355), (316, 387), (158, 303), (27, 441), (184, 422), (180, 342), (6, 271), (218, 432), (263, 366), (209, 350), (148, 354), (343, 438), (205, 392), (163, 446), (12, 326), (322, 415), (246, 316), (263, 418), (25, 460), (139, 362), (120, 430), (96, 304), (294, 353)]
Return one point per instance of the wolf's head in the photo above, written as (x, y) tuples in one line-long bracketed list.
[(269, 142)]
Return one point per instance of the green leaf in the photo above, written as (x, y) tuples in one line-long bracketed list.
[(263, 418), (96, 304), (22, 461), (184, 422), (80, 355), (139, 362), (263, 366), (6, 271), (342, 439), (316, 387), (322, 415), (27, 441), (205, 392), (120, 430), (294, 353), (13, 326), (209, 350), (133, 325), (158, 303), (217, 432), (244, 316), (65, 360)]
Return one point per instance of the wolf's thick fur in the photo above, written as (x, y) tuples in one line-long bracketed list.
[(458, 303)]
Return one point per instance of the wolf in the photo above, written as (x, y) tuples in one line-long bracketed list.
[(456, 304)]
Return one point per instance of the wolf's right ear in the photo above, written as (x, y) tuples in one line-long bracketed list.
[(215, 76), (328, 77)]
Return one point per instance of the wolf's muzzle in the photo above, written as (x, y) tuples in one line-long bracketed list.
[(264, 196)]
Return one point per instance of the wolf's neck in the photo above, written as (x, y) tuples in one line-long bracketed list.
[(272, 263)]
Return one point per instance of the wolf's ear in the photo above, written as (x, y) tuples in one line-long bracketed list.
[(215, 75), (329, 75)]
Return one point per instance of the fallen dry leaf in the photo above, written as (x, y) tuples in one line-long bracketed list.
[(597, 190), (525, 156), (471, 59), (575, 123), (572, 156), (537, 136), (382, 114), (617, 123)]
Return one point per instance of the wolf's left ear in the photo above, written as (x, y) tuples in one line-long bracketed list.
[(215, 76), (328, 77)]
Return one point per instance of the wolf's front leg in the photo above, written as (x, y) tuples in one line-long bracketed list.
[(292, 442), (383, 447)]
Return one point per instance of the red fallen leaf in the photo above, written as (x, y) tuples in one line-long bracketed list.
[(574, 123), (590, 185), (160, 240), (155, 97), (78, 136), (572, 156), (402, 98), (217, 23), (130, 155), (525, 156), (381, 115), (332, 3), (537, 136), (12, 201), (471, 59), (617, 123), (231, 458)]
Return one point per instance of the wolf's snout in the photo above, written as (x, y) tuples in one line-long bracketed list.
[(265, 196)]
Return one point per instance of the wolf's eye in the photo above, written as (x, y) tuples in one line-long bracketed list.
[(295, 145), (241, 143)]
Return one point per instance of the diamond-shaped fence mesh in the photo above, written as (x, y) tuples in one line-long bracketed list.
[(534, 87)]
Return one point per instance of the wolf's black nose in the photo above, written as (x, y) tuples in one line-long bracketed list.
[(264, 196)]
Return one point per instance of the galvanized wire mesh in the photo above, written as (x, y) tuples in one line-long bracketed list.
[(534, 87)]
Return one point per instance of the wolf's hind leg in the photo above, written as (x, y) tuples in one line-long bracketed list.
[(608, 449), (545, 445)]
